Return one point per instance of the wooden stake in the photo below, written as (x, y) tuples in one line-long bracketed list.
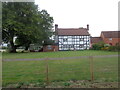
[(47, 71), (91, 67)]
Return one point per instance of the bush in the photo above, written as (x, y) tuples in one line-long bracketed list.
[(95, 47), (106, 45), (105, 48), (66, 84), (112, 48), (115, 48), (4, 47), (98, 46), (118, 46)]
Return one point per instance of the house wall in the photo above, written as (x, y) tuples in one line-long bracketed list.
[(73, 42), (113, 41), (109, 41), (102, 36)]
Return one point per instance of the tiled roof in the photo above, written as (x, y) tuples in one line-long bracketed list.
[(111, 34), (96, 39), (72, 31)]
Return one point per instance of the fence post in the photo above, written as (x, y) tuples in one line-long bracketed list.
[(47, 71), (91, 68)]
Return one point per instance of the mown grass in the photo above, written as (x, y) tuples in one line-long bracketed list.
[(105, 69), (55, 54)]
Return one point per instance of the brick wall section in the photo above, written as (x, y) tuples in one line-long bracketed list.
[(53, 48), (56, 48), (113, 41)]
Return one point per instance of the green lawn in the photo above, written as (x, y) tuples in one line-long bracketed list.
[(105, 69), (56, 54)]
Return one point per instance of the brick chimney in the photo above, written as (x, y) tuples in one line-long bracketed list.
[(87, 26), (56, 27), (56, 33)]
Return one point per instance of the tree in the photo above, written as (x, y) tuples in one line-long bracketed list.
[(23, 20), (44, 22)]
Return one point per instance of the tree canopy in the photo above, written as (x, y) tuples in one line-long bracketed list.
[(24, 21)]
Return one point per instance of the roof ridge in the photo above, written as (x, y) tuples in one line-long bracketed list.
[(109, 31), (95, 37), (111, 34), (72, 28)]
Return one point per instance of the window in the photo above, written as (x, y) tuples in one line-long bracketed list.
[(73, 40), (65, 43), (87, 42), (77, 39), (85, 39), (77, 42), (72, 43), (60, 45), (81, 39), (70, 39), (59, 36), (65, 36), (81, 42), (77, 36), (60, 48), (49, 47), (73, 36), (110, 39), (87, 36), (64, 39), (69, 36), (69, 42), (59, 42)]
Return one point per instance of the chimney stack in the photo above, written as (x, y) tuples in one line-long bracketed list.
[(56, 27), (87, 26)]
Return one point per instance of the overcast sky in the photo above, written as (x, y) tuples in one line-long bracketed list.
[(101, 15)]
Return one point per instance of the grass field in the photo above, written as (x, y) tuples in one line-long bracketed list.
[(16, 73), (56, 54)]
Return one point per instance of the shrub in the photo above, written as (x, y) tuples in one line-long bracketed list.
[(105, 48), (106, 45), (66, 84), (102, 46), (118, 46), (115, 48), (95, 47), (98, 46), (112, 48)]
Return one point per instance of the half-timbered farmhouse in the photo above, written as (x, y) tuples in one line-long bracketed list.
[(72, 38)]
